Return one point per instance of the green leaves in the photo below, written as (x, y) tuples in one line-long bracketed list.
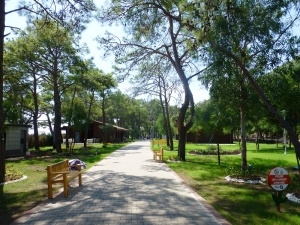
[(278, 199)]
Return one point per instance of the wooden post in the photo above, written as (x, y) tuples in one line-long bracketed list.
[(50, 191), (278, 205)]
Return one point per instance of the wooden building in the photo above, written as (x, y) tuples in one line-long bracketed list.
[(115, 134)]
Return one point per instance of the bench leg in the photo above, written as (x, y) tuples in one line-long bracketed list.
[(66, 184), (80, 179), (50, 191)]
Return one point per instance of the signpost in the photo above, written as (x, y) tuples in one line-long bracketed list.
[(278, 179)]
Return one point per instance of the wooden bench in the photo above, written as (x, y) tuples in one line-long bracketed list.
[(159, 154), (60, 173)]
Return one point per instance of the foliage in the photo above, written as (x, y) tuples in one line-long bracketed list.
[(11, 174), (154, 31), (173, 158), (70, 14), (276, 84), (212, 148), (295, 183), (251, 173), (44, 140)]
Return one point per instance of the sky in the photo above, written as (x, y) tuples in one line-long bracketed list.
[(93, 30)]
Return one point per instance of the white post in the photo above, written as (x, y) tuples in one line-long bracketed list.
[(284, 133)]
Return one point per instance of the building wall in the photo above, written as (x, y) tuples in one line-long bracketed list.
[(95, 132)]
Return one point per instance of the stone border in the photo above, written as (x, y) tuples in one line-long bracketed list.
[(13, 181), (290, 196), (261, 181), (293, 198)]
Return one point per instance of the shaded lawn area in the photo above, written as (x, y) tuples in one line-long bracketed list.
[(18, 197), (240, 203)]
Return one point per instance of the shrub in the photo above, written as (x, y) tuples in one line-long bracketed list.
[(212, 147), (44, 140)]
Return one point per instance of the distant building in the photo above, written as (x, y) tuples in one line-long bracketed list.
[(95, 132), (202, 137), (16, 141)]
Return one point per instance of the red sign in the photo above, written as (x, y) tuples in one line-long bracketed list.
[(278, 178)]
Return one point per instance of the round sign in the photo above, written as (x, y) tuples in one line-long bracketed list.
[(278, 178)]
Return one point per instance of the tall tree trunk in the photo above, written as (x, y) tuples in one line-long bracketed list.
[(2, 141), (243, 124), (243, 139), (257, 139), (104, 123), (167, 120), (183, 123), (163, 107), (184, 126), (88, 120), (49, 124), (169, 126), (35, 115), (57, 111), (70, 118), (181, 142)]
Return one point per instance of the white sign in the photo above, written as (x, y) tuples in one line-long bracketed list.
[(278, 178)]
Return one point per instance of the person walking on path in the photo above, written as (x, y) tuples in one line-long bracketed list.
[(127, 187)]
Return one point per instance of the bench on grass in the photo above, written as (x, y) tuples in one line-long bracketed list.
[(60, 173), (159, 154)]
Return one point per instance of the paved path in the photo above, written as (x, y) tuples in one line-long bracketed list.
[(128, 187)]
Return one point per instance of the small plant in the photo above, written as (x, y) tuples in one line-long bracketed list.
[(212, 148), (278, 199), (235, 171), (173, 158), (12, 175), (214, 152)]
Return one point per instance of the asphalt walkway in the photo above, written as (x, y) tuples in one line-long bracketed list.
[(127, 187)]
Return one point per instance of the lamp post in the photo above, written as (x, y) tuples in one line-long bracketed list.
[(284, 133)]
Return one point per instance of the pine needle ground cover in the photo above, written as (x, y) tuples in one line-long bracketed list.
[(240, 203)]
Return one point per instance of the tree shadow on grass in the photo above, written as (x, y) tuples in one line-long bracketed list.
[(248, 204), (10, 209)]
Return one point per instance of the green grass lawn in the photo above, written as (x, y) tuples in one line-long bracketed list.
[(240, 203), (18, 197)]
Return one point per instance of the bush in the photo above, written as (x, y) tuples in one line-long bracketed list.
[(44, 140), (235, 171), (295, 183), (212, 148)]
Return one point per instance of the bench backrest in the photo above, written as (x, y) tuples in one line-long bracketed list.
[(58, 167), (159, 142)]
